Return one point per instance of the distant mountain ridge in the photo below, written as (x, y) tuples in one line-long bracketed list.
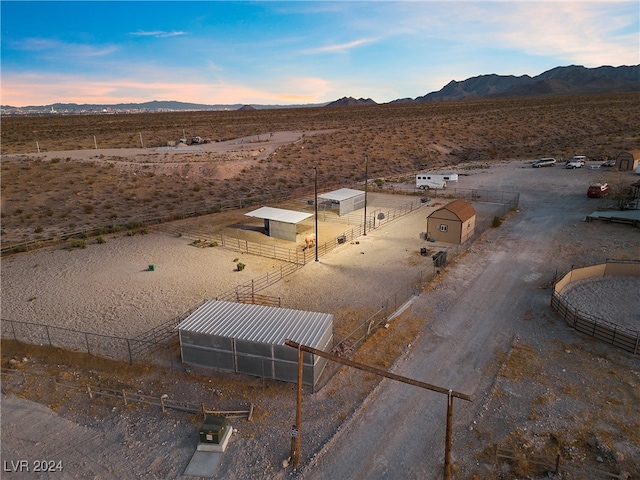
[(573, 79), (350, 101)]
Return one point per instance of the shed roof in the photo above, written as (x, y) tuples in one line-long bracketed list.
[(341, 194), (279, 214), (257, 323), (634, 153), (460, 208)]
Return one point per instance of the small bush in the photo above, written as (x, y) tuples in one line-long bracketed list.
[(77, 244), (132, 225), (240, 266), (497, 221), (100, 240)]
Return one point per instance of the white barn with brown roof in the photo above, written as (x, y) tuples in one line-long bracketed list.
[(453, 223)]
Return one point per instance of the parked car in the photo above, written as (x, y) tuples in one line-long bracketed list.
[(574, 163), (544, 162), (597, 190), (608, 163)]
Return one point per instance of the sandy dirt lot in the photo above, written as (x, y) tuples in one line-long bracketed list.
[(486, 330)]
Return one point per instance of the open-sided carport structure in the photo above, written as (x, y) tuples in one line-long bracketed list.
[(247, 338), (345, 200), (280, 223)]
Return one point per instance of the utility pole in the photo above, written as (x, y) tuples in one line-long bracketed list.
[(366, 180), (315, 204), (296, 441), (447, 447)]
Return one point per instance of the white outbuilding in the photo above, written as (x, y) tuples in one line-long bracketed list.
[(247, 338), (280, 223), (345, 200)]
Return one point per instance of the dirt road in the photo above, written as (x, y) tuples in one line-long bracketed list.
[(475, 313)]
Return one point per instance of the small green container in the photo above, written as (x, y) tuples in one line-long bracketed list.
[(213, 429), (152, 268)]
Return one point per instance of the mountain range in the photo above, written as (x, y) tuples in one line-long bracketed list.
[(573, 79)]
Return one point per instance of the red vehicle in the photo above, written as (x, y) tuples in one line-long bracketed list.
[(597, 190)]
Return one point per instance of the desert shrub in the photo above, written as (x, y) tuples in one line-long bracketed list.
[(77, 244), (38, 229), (132, 225), (100, 239), (497, 221)]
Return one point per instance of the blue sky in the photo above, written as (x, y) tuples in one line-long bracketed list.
[(218, 52)]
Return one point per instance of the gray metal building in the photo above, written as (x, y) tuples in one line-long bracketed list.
[(345, 200), (247, 338), (280, 223)]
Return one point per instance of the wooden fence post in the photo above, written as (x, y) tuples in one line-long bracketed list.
[(48, 336), (129, 349)]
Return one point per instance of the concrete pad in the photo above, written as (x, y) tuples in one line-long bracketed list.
[(206, 458), (203, 464)]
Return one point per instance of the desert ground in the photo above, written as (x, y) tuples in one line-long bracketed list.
[(483, 327), (519, 399), (65, 174)]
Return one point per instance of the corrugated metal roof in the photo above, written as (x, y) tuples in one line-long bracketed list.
[(341, 194), (279, 214), (257, 323)]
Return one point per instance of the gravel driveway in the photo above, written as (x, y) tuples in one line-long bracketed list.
[(474, 313)]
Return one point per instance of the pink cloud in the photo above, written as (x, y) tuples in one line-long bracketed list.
[(24, 90)]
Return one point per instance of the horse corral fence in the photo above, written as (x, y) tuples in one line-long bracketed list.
[(604, 330), (128, 397), (158, 345)]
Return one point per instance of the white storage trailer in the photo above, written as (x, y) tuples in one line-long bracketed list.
[(435, 180)]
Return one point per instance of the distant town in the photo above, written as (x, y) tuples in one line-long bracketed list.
[(42, 111)]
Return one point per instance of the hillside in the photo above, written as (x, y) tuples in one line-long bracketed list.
[(50, 192), (557, 81)]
